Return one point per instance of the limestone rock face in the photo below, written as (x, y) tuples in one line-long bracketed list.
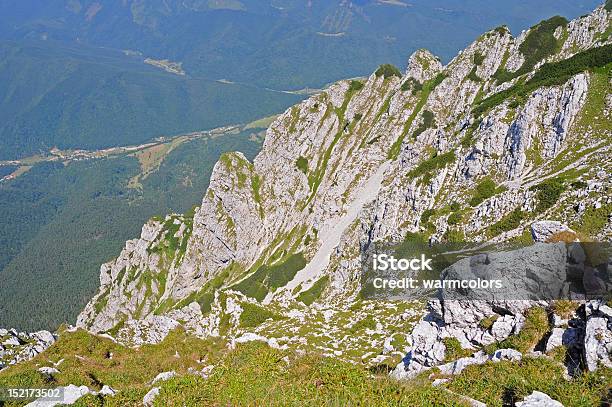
[(423, 157), (542, 230), (423, 66)]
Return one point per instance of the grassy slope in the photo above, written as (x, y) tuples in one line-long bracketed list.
[(252, 374)]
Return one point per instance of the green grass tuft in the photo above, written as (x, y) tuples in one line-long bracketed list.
[(507, 223), (313, 293), (550, 74), (253, 315), (302, 164), (387, 71)]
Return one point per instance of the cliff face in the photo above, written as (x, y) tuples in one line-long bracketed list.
[(455, 152)]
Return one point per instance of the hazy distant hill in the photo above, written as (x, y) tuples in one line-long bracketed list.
[(83, 97), (277, 43)]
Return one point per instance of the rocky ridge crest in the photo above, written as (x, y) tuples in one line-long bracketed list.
[(446, 153)]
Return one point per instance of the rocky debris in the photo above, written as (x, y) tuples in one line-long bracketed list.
[(542, 230), (164, 376), (462, 320), (106, 390), (423, 66), (427, 348), (204, 372), (48, 371), (250, 337), (149, 398), (479, 358), (598, 335), (563, 337), (538, 399), (18, 347), (153, 329)]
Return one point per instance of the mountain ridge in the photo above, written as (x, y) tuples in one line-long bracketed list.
[(244, 217), (507, 143)]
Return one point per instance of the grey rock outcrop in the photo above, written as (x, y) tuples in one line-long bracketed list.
[(22, 346), (598, 335), (542, 230), (538, 399)]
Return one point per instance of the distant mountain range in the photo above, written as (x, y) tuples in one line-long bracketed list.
[(283, 44)]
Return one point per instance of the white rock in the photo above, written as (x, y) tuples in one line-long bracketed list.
[(542, 230), (249, 337), (149, 398), (71, 394), (164, 376), (538, 399), (48, 370), (107, 391), (12, 341)]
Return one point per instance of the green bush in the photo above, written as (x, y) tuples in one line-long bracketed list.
[(267, 278), (484, 190), (473, 76), (507, 223), (363, 324), (302, 164), (595, 219), (427, 214), (548, 193), (417, 238), (413, 84), (387, 71), (455, 218), (253, 315), (535, 327), (478, 58), (487, 323), (539, 44), (550, 74), (355, 86), (454, 350), (436, 162), (454, 236), (428, 122), (313, 293)]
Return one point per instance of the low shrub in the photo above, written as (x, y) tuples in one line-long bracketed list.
[(387, 71)]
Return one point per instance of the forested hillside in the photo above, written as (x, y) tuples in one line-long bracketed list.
[(59, 223), (56, 95)]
